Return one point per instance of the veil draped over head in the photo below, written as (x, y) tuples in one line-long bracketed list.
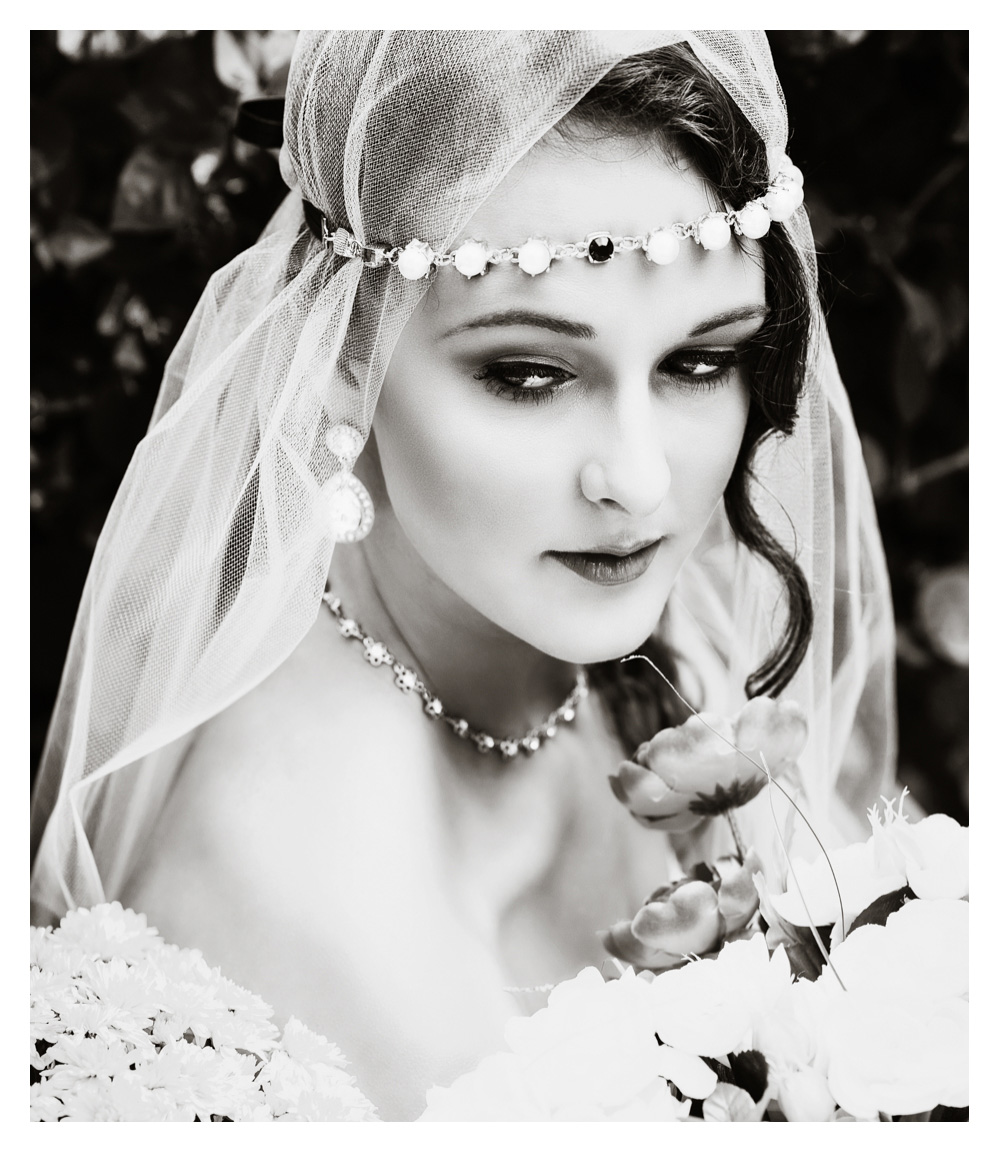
[(213, 559)]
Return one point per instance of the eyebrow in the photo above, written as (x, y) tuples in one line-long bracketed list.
[(523, 317), (732, 316)]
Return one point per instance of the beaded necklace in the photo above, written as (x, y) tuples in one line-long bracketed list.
[(407, 681)]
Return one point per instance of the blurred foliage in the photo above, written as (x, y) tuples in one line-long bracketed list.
[(139, 192), (879, 126)]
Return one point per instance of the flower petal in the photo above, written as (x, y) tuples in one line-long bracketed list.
[(732, 1104), (727, 796), (693, 754), (777, 728), (688, 923), (620, 941), (689, 1073), (738, 899)]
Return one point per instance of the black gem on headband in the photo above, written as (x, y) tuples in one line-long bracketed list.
[(713, 231), (600, 248)]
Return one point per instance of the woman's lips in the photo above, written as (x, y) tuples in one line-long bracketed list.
[(608, 567)]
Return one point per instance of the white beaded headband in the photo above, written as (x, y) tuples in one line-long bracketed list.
[(417, 259)]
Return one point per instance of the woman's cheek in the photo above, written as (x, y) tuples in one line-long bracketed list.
[(459, 487), (712, 447)]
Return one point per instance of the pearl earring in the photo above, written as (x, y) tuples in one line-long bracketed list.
[(351, 511)]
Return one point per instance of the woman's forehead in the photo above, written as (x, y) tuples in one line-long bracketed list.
[(565, 189), (629, 297)]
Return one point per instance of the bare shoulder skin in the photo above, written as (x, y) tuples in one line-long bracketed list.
[(330, 848)]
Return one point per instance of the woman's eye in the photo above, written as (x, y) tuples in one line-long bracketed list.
[(524, 379), (702, 366)]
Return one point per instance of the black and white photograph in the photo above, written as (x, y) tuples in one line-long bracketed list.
[(499, 575)]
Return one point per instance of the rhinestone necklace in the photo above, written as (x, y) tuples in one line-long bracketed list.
[(406, 680)]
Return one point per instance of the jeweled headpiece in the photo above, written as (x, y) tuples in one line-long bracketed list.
[(416, 259)]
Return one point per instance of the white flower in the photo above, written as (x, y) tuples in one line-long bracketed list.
[(133, 1101), (44, 1105), (591, 1054), (930, 857), (238, 999), (194, 1007), (44, 1021), (932, 853), (49, 955), (211, 1082), (235, 1030), (594, 1042), (48, 984), (812, 890), (36, 1060), (184, 964), (88, 1100), (804, 1096), (120, 1099), (502, 1088), (732, 1104), (896, 1057), (332, 1101), (921, 952), (91, 1057), (309, 1047), (104, 1021), (710, 1007), (107, 930), (61, 1078), (134, 988), (896, 1041), (314, 1091), (497, 1090), (283, 1080)]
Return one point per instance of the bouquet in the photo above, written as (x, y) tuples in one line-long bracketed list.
[(127, 1027), (836, 992), (841, 994)]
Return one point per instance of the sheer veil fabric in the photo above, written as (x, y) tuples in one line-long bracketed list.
[(211, 565)]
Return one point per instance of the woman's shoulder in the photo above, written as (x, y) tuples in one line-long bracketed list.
[(294, 810), (316, 717), (288, 766)]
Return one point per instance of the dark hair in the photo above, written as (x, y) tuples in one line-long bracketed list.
[(668, 95)]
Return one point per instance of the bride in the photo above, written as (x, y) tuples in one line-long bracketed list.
[(573, 271)]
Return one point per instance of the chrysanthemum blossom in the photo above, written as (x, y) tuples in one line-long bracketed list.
[(710, 765), (108, 930), (134, 988), (309, 1047)]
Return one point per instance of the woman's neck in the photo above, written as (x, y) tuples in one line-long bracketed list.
[(494, 680)]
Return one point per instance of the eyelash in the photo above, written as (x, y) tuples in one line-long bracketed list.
[(507, 378)]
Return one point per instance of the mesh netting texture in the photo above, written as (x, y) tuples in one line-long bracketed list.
[(213, 559)]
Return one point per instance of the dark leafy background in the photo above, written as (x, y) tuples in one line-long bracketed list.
[(139, 191)]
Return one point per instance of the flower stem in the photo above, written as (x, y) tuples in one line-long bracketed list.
[(740, 848)]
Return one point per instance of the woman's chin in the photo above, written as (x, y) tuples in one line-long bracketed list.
[(592, 641)]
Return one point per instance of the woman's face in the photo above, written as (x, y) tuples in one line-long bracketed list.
[(554, 446)]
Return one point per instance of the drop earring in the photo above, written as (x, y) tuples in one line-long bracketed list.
[(351, 511)]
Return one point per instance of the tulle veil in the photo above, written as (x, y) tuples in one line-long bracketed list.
[(212, 562)]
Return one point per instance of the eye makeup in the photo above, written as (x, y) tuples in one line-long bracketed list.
[(525, 378)]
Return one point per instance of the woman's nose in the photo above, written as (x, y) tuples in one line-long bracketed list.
[(629, 469)]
